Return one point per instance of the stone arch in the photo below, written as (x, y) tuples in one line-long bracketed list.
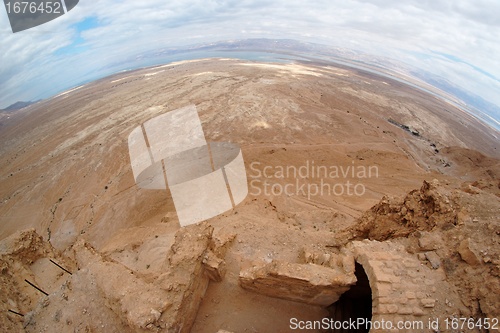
[(400, 284), (354, 304)]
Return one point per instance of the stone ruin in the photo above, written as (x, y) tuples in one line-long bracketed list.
[(166, 303), (364, 278), (400, 288)]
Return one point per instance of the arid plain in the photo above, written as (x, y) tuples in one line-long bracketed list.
[(65, 171)]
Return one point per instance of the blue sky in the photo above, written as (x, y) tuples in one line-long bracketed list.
[(454, 39), (78, 42)]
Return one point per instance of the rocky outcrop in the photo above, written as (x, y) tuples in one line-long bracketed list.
[(467, 253), (186, 275), (26, 246), (446, 266), (140, 303), (420, 210), (122, 300), (453, 232)]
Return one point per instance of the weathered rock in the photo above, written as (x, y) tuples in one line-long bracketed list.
[(186, 275), (221, 243), (141, 303), (467, 253), (132, 302), (311, 255), (308, 283), (215, 267), (463, 217), (430, 241), (343, 261), (420, 210), (433, 259), (26, 246), (428, 302)]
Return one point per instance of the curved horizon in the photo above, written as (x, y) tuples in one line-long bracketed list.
[(453, 42)]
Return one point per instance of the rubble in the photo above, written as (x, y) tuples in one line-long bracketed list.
[(420, 210), (433, 259), (167, 303), (467, 253)]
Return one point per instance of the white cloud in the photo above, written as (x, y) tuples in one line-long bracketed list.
[(466, 29)]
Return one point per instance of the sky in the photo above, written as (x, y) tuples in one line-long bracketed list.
[(458, 40)]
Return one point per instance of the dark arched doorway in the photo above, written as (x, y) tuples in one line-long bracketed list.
[(354, 303)]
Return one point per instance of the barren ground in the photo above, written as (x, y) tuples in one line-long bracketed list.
[(65, 171)]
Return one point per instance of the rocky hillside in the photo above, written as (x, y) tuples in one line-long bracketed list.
[(450, 230)]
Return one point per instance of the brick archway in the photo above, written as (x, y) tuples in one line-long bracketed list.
[(400, 285), (354, 304)]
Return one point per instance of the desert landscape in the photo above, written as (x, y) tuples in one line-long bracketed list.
[(367, 198)]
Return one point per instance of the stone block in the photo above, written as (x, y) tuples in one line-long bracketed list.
[(428, 302), (215, 267), (395, 279), (384, 300), (381, 309), (405, 310), (433, 259), (347, 262), (382, 277), (410, 294), (221, 243), (402, 300), (382, 289), (392, 308), (413, 302), (307, 283), (418, 311), (420, 294), (467, 253)]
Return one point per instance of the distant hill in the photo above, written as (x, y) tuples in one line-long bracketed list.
[(17, 106), (478, 105)]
